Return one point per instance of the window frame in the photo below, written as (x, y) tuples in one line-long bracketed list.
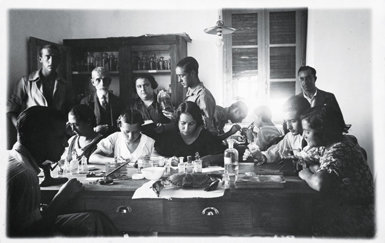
[(264, 47)]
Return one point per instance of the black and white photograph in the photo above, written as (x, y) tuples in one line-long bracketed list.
[(193, 120)]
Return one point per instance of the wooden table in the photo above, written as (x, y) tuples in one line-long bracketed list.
[(267, 211)]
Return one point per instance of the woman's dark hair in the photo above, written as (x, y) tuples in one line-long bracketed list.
[(188, 64), (192, 109), (130, 116), (148, 77), (83, 113), (328, 123)]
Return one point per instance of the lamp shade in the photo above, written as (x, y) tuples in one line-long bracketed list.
[(219, 29)]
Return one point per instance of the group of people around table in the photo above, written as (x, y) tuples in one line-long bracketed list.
[(103, 130)]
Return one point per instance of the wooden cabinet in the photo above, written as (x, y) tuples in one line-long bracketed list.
[(126, 58)]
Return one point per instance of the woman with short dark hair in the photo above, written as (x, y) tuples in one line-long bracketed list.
[(338, 170), (82, 121), (190, 136)]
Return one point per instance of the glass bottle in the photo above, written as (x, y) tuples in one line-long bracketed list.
[(90, 61), (105, 61), (161, 63), (181, 166), (111, 62), (164, 99), (74, 164), (189, 165), (231, 163), (197, 163)]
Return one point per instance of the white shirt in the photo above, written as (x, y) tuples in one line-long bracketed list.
[(311, 100), (115, 145), (289, 142)]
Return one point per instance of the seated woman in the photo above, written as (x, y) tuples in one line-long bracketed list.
[(82, 120), (128, 144), (342, 176), (263, 132), (190, 137)]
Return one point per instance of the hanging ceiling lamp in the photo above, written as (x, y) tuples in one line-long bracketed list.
[(219, 29)]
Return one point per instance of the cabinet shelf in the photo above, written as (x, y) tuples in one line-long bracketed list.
[(151, 71), (89, 73)]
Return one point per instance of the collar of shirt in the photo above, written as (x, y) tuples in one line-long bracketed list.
[(22, 150), (310, 100), (196, 90), (37, 76), (106, 98)]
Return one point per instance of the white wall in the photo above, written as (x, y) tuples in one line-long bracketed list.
[(339, 47)]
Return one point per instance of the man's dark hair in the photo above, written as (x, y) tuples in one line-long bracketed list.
[(84, 113), (52, 47), (308, 68), (297, 104), (188, 64), (35, 120), (148, 77)]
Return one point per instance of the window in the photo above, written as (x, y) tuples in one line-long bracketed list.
[(262, 57)]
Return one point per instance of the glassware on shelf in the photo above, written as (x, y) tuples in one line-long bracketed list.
[(153, 62), (161, 63), (111, 62), (106, 61), (90, 61)]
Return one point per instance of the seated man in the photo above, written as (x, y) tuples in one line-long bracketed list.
[(41, 136), (292, 141), (234, 113), (106, 106)]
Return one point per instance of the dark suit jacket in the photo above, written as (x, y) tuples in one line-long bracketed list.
[(104, 116), (325, 98)]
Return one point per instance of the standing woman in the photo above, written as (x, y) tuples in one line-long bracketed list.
[(82, 120), (342, 176), (190, 136)]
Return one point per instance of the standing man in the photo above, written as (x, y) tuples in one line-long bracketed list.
[(187, 73), (43, 87), (316, 97), (41, 137), (106, 106)]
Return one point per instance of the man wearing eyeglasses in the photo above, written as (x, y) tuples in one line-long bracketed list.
[(106, 106)]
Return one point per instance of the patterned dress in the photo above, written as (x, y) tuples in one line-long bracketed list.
[(347, 211)]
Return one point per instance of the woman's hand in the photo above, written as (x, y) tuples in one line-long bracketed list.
[(305, 174), (168, 114), (101, 128)]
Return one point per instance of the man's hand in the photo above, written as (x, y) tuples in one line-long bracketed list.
[(168, 114), (101, 128)]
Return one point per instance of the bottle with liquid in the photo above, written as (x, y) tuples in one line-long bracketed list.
[(197, 163), (83, 168), (164, 99), (74, 164), (90, 61), (231, 162), (189, 165), (181, 166)]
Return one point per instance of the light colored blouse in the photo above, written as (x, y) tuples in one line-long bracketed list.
[(115, 146)]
